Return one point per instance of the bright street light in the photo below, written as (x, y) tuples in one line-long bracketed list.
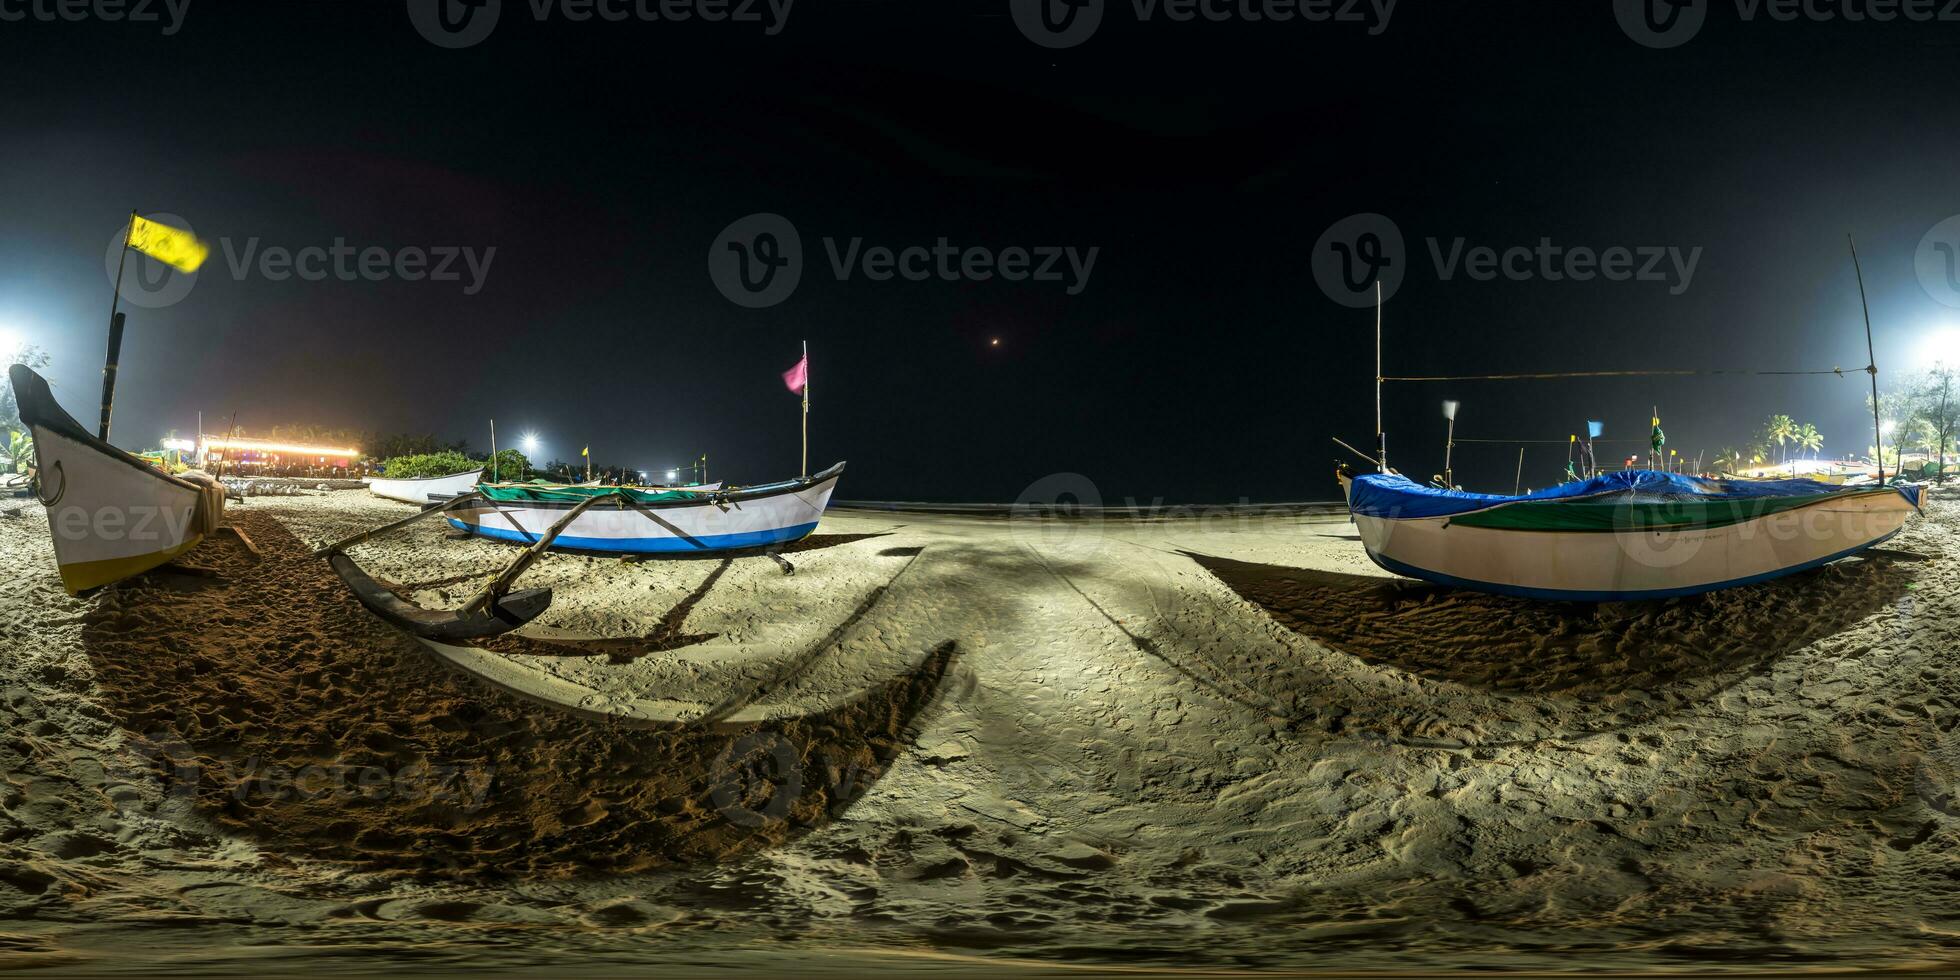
[(1942, 346), (530, 443), (672, 475)]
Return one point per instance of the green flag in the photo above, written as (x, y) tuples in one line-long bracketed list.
[(1660, 438)]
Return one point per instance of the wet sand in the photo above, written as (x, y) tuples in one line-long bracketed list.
[(973, 744)]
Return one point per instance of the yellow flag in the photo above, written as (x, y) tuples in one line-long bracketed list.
[(587, 451), (173, 247)]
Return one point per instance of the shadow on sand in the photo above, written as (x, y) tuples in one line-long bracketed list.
[(1520, 645), (277, 707)]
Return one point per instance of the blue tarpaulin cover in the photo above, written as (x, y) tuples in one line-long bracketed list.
[(1397, 496)]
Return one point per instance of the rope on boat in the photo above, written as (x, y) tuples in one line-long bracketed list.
[(1615, 374)]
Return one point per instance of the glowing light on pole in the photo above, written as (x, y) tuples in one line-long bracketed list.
[(1942, 346)]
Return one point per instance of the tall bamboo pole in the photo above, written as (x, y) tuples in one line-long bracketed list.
[(1381, 440), (806, 408), (1878, 437), (114, 358)]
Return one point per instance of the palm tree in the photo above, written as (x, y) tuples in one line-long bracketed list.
[(1729, 460), (1780, 429), (1809, 439)]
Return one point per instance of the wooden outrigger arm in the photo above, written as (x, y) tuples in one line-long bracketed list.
[(493, 593), (495, 610)]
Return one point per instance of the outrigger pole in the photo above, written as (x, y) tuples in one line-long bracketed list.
[(493, 611), (1878, 436)]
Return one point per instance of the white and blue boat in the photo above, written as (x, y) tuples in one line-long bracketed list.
[(1637, 534), (650, 521)]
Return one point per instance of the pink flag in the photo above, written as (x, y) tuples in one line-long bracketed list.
[(798, 377)]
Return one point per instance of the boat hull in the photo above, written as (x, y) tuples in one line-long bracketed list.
[(761, 518), (1632, 564), (424, 491), (111, 515)]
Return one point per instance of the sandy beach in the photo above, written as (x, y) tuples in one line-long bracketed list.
[(972, 743)]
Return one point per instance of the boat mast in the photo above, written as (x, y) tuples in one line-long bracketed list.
[(1381, 440), (806, 408), (1871, 368), (493, 451), (1449, 444), (115, 333)]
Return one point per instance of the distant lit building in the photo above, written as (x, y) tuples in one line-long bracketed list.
[(268, 457)]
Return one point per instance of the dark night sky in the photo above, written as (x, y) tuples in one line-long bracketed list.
[(1201, 362)]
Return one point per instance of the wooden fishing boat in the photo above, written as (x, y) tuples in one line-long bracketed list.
[(1637, 534), (635, 520), (426, 490), (647, 521), (112, 514)]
